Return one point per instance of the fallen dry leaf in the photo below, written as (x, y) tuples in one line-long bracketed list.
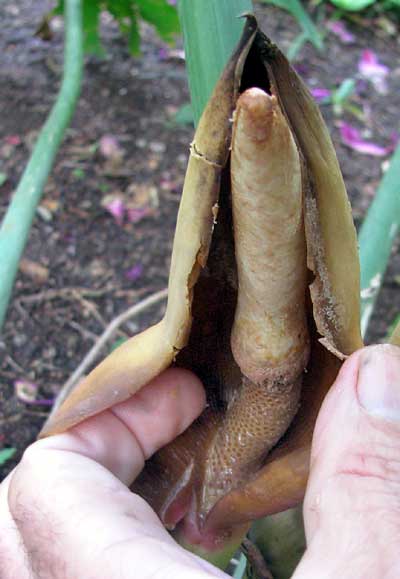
[(35, 271)]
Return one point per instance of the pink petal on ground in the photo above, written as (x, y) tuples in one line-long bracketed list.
[(339, 29), (43, 402), (370, 68), (369, 64), (12, 140), (27, 392), (136, 214), (394, 140), (109, 147), (116, 207), (163, 53), (134, 273), (352, 138), (320, 94), (171, 54), (170, 184)]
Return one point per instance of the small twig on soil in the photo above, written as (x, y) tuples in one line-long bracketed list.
[(117, 174), (122, 293), (74, 164), (37, 413), (7, 375), (108, 333), (40, 365), (65, 292), (21, 310), (72, 292), (83, 331), (10, 419), (256, 560), (91, 308), (14, 365)]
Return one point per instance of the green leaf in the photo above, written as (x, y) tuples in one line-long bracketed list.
[(91, 10), (184, 115), (296, 46), (341, 95), (211, 30), (134, 37), (392, 327), (281, 540), (59, 9), (162, 16), (117, 344), (344, 91), (297, 10), (352, 5), (125, 13), (6, 454), (78, 173), (3, 178), (90, 18), (376, 237), (122, 12)]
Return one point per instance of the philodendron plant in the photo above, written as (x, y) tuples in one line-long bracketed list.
[(263, 306)]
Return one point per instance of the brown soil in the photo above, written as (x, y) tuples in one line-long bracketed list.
[(48, 330)]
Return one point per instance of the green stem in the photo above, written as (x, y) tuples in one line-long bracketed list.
[(376, 237), (281, 540), (240, 571), (211, 30), (17, 222)]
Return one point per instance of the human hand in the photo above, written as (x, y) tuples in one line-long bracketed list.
[(352, 505), (65, 511)]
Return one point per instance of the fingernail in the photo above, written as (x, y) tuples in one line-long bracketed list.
[(379, 381)]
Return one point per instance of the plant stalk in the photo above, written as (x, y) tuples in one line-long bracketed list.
[(281, 540), (18, 219), (376, 237), (211, 30)]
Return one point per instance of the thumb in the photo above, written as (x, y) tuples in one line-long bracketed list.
[(352, 505)]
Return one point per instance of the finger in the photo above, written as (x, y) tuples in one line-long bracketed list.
[(13, 560), (351, 510), (122, 438)]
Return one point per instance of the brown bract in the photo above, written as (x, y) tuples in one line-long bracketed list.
[(203, 295)]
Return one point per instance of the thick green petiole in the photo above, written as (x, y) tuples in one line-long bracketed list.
[(376, 237), (211, 30), (17, 222)]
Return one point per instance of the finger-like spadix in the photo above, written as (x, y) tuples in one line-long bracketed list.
[(269, 336)]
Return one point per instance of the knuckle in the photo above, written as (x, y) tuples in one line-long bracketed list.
[(380, 463), (369, 481)]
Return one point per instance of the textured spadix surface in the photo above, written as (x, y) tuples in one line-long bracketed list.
[(263, 301)]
